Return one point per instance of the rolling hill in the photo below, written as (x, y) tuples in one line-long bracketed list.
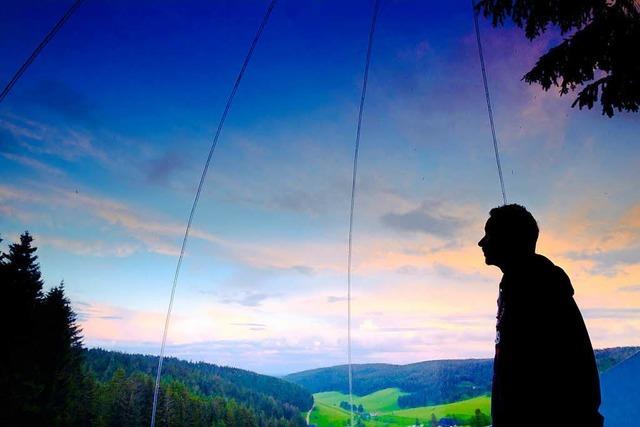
[(385, 400), (425, 383)]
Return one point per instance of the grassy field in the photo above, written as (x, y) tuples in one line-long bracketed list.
[(384, 403), (464, 408), (328, 415), (380, 401)]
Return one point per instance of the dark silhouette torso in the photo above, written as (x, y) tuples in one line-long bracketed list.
[(545, 372)]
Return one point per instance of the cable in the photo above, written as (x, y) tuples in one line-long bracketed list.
[(227, 107), (38, 49), (489, 109), (353, 194)]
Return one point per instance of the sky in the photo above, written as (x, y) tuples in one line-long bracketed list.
[(103, 140)]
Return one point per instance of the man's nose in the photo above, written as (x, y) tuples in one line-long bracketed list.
[(481, 242)]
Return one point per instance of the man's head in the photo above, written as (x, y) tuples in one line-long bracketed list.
[(510, 234)]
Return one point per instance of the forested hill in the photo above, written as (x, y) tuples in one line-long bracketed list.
[(428, 383), (201, 378)]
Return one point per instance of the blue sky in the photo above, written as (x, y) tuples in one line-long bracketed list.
[(103, 140)]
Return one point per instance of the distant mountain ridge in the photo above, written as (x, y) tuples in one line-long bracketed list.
[(428, 383)]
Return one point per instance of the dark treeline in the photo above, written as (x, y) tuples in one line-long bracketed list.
[(48, 379), (268, 397)]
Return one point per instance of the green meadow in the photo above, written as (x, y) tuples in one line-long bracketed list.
[(384, 405), (328, 415), (385, 400), (463, 408)]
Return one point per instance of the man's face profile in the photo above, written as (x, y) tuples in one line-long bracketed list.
[(490, 244)]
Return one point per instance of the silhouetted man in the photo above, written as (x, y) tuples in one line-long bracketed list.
[(544, 371)]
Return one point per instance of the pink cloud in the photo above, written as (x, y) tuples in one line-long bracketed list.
[(85, 247)]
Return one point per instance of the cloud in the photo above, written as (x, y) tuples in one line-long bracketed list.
[(398, 323), (331, 299), (286, 354), (87, 311), (250, 299), (156, 235), (87, 247), (374, 253), (632, 288), (160, 170), (300, 201), (303, 269), (289, 191), (278, 356), (607, 262), (611, 313), (42, 167), (67, 143), (251, 326), (600, 239), (426, 219), (268, 356)]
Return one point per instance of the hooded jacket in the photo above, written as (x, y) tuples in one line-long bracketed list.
[(545, 372)]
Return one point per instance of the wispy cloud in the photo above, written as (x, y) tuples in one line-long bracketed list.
[(86, 311), (427, 219), (88, 247), (608, 262), (157, 235), (603, 241), (632, 288), (42, 167), (250, 299), (251, 326), (70, 144), (612, 313)]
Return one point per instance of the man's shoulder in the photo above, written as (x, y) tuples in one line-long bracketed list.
[(548, 280)]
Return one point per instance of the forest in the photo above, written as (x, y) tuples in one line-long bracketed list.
[(48, 378)]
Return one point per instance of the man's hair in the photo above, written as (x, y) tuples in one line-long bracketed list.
[(516, 224)]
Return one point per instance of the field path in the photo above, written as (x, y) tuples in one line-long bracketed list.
[(309, 413)]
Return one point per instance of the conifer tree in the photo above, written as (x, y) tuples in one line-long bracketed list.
[(61, 364), (20, 381)]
